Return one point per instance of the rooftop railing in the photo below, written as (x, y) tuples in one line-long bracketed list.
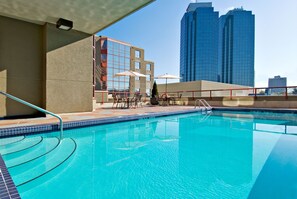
[(238, 92), (228, 92)]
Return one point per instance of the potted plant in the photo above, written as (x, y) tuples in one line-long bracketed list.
[(154, 96)]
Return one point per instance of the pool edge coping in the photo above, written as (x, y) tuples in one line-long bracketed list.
[(245, 109), (10, 190), (44, 128)]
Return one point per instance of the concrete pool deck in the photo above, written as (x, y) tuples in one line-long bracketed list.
[(100, 113)]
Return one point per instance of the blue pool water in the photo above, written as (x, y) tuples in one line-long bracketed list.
[(218, 155)]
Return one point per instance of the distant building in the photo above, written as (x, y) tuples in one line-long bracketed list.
[(277, 81), (199, 43), (237, 47), (217, 49), (113, 56)]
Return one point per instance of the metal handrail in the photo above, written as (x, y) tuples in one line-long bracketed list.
[(37, 108), (204, 103), (207, 104)]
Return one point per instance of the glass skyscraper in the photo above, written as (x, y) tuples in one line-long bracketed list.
[(237, 47), (199, 43)]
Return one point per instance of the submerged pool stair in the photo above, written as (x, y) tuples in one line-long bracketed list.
[(29, 158)]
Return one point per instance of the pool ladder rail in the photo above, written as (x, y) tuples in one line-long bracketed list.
[(37, 108), (203, 102)]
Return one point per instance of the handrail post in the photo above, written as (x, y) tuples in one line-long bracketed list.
[(230, 93), (286, 93), (37, 108), (210, 96)]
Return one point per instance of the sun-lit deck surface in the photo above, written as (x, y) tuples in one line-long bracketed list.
[(104, 112)]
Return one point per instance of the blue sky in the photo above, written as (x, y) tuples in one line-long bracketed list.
[(156, 29)]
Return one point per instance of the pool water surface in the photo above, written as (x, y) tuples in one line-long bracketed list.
[(193, 155)]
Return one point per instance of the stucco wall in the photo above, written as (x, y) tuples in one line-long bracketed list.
[(21, 65), (180, 86), (201, 85), (143, 84), (47, 67), (208, 85), (69, 71), (101, 96)]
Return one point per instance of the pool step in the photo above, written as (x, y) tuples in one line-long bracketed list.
[(7, 141), (46, 146), (20, 146), (19, 153), (38, 167)]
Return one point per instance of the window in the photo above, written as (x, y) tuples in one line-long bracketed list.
[(127, 62), (148, 78), (137, 78), (148, 67), (137, 65), (137, 53)]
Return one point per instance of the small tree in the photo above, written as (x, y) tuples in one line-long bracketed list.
[(294, 91), (155, 90)]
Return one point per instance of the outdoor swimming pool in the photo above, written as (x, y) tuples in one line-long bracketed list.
[(216, 155)]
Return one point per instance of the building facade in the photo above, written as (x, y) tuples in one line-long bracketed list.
[(277, 81), (48, 66), (217, 49), (237, 47), (199, 43), (112, 57)]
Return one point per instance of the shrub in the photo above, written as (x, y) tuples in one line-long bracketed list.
[(155, 90)]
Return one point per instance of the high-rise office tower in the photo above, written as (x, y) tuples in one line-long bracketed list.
[(199, 43), (237, 47)]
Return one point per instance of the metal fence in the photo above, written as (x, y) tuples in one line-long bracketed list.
[(231, 93)]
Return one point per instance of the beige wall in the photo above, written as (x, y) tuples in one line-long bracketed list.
[(47, 67), (21, 65), (209, 85), (101, 96), (197, 86), (180, 86), (142, 83), (69, 71), (149, 84)]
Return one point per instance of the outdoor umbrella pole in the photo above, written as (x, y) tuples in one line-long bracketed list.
[(166, 87), (166, 76)]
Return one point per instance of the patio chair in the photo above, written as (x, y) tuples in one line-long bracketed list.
[(117, 100), (164, 99), (174, 99), (138, 101)]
